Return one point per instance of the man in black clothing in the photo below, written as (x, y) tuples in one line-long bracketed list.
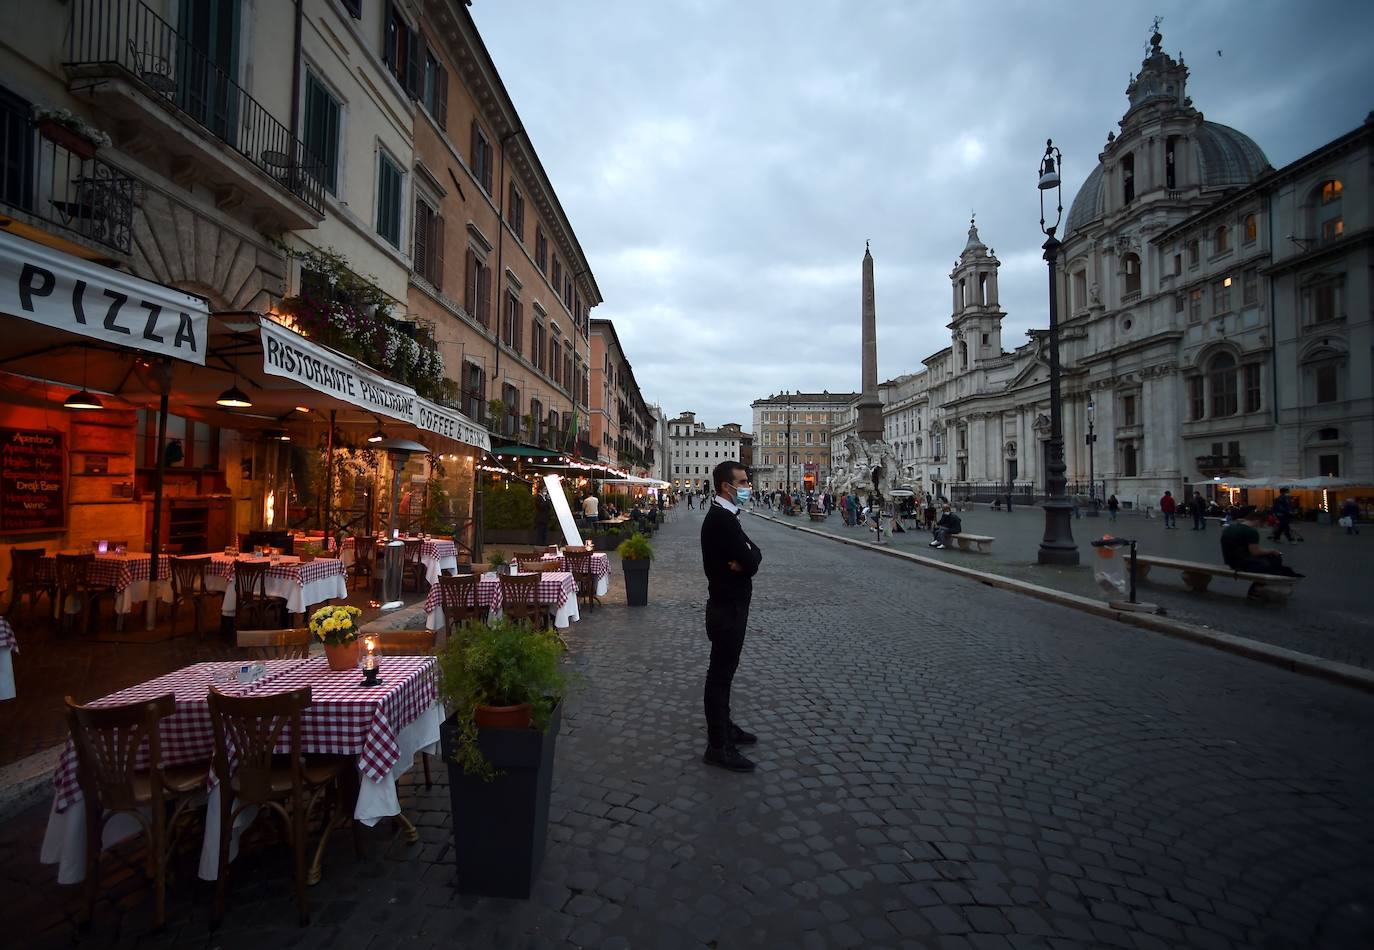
[(730, 560), (1240, 549)]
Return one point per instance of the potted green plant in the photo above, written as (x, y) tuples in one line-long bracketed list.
[(635, 555), (69, 130), (497, 562), (337, 629), (504, 682)]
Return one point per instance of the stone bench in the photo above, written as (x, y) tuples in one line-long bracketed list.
[(966, 542), (1197, 575)]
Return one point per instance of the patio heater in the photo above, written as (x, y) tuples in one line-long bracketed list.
[(399, 451)]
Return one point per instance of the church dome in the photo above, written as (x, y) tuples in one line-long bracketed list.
[(1225, 158)]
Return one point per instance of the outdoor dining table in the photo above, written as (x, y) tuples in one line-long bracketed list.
[(436, 554), (557, 591), (382, 726), (601, 569), (300, 583), (126, 573), (8, 645)]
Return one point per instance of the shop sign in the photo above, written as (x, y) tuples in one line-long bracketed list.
[(58, 290), (288, 354), (32, 481)]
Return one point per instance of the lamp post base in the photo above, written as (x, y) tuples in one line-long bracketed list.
[(1058, 547)]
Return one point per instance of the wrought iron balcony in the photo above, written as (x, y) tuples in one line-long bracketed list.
[(1218, 464), (154, 71), (49, 186)]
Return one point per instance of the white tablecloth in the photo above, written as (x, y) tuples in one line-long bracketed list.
[(297, 596)]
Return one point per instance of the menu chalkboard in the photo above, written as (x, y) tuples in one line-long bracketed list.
[(32, 481)]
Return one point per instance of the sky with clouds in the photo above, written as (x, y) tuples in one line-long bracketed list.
[(723, 162)]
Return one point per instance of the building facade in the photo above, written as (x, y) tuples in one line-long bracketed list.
[(622, 426), (494, 263), (694, 450), (660, 469), (800, 426), (1215, 321)]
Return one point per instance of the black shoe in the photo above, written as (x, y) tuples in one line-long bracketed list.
[(739, 737), (727, 757)]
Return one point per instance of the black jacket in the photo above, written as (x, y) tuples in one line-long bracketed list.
[(951, 523), (723, 540)]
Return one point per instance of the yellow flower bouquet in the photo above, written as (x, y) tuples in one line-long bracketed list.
[(335, 626)]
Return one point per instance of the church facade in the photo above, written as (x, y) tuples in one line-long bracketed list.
[(1215, 320)]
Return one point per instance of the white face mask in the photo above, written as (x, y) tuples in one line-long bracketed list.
[(742, 493)]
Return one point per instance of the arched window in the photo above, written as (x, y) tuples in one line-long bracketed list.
[(1131, 265), (1251, 228), (1127, 179), (963, 355), (1221, 379), (1330, 220), (1221, 239)]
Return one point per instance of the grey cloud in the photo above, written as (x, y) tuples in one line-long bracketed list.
[(724, 162)]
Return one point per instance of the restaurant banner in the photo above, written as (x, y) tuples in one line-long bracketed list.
[(58, 290), (288, 354)]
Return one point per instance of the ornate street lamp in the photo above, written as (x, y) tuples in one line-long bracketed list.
[(1057, 546), (1092, 475)]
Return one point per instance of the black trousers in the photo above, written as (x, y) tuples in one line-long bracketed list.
[(1283, 529), (1264, 564), (725, 623), (1198, 523)]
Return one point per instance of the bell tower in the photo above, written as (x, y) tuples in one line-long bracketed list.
[(976, 327)]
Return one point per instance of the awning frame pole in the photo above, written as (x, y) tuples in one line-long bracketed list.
[(327, 502), (155, 546)]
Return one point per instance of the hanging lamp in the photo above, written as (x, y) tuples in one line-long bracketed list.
[(233, 397), (83, 399)]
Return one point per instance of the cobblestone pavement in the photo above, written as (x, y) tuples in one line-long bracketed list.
[(1328, 616), (940, 765)]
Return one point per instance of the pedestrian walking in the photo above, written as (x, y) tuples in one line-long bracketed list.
[(1112, 506), (1283, 512), (1199, 512), (730, 561), (691, 501), (1168, 506), (1350, 516)]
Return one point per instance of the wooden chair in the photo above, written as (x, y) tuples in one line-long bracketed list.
[(292, 643), (107, 740), (537, 566), (251, 600), (73, 581), (188, 584), (26, 579), (364, 559), (289, 784), (520, 600), (526, 555), (412, 568), (582, 571), (458, 597)]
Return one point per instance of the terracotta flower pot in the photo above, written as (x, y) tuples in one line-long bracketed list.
[(503, 717), (342, 657)]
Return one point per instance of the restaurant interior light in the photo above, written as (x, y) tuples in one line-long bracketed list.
[(377, 436), (234, 398), (302, 408), (82, 400)]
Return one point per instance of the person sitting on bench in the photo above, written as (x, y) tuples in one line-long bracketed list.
[(948, 524), (1240, 549)]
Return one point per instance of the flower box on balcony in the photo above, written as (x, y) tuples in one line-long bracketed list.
[(72, 141)]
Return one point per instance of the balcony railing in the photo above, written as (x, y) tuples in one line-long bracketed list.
[(45, 181), (127, 38), (1208, 464)]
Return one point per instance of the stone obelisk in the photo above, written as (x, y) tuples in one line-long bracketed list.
[(870, 408)]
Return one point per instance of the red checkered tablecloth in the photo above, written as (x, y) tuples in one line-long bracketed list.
[(186, 735), (288, 568), (601, 563), (111, 570), (7, 636), (435, 550), (347, 719), (555, 587)]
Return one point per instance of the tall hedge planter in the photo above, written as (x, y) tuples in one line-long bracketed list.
[(636, 582), (500, 827)]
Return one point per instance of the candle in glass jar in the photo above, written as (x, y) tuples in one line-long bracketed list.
[(370, 661)]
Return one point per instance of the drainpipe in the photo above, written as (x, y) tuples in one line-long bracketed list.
[(296, 77), (500, 247), (1273, 344)]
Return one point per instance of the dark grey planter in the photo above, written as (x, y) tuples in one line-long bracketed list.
[(636, 582), (500, 827)]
